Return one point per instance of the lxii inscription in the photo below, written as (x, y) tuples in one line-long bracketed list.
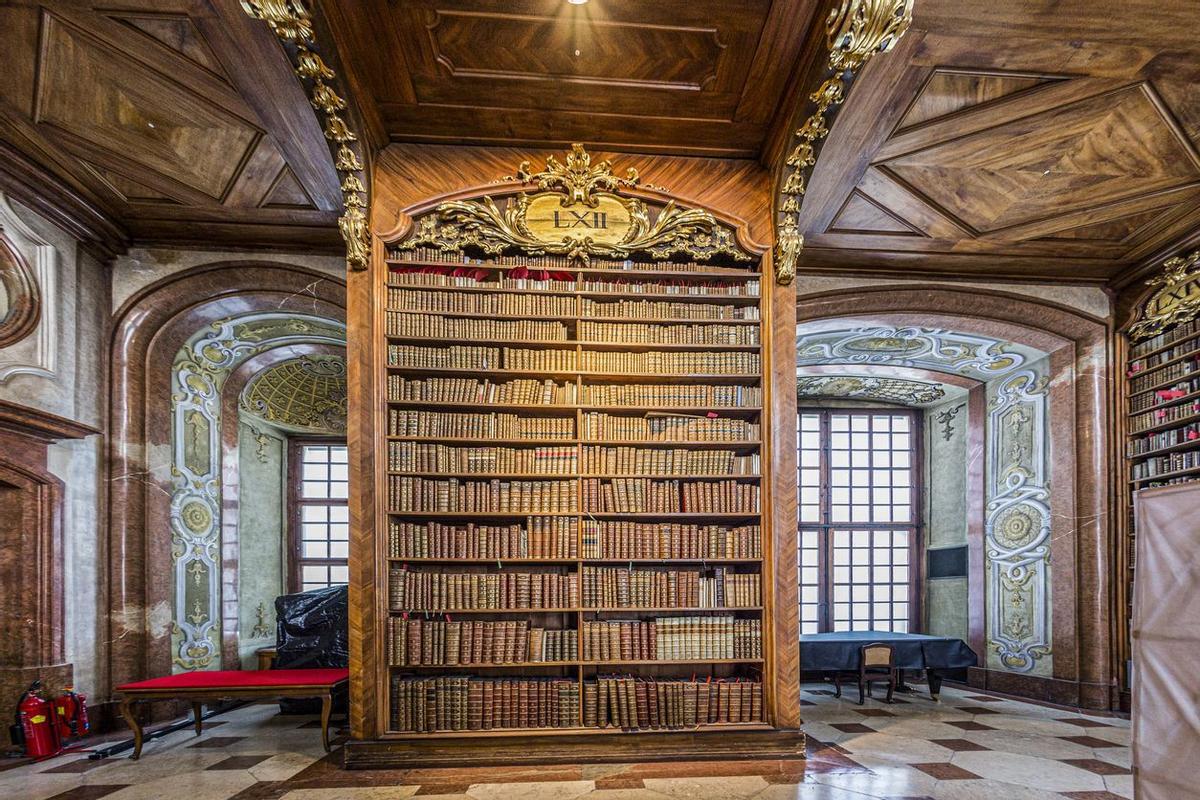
[(606, 221)]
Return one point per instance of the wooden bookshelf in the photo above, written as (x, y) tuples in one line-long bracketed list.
[(700, 403), (1160, 350)]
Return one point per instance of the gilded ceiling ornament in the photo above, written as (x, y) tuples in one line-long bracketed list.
[(1177, 301), (292, 23), (869, 387), (307, 394), (576, 213), (933, 348), (856, 31)]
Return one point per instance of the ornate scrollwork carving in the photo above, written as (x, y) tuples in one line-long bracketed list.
[(857, 30), (1177, 301), (292, 23), (565, 189)]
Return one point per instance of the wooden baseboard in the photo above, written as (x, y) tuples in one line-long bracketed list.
[(572, 749)]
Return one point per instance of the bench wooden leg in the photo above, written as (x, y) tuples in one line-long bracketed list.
[(198, 714), (134, 725), (326, 710)]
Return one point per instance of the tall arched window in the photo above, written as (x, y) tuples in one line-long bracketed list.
[(859, 513)]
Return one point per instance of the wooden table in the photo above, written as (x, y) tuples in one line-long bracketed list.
[(209, 687)]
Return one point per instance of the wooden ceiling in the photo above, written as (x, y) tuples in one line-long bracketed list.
[(686, 77), (1000, 140), (161, 121), (1048, 138)]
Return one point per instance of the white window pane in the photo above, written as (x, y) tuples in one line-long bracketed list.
[(860, 514), (316, 453), (339, 513), (810, 422), (883, 513), (840, 514), (860, 594), (881, 574), (314, 550), (882, 459), (879, 441), (808, 575), (315, 472), (901, 478), (810, 477), (339, 455), (839, 441), (861, 574), (314, 513), (839, 422), (841, 574), (339, 491), (900, 592), (339, 472), (900, 441), (861, 610), (810, 513), (880, 423), (339, 531), (808, 627), (810, 494), (859, 423), (841, 557), (860, 441), (900, 626), (810, 458), (314, 574), (809, 594), (881, 593), (314, 531), (315, 491), (338, 575), (899, 423), (839, 458), (339, 550), (860, 459), (901, 513), (900, 539)]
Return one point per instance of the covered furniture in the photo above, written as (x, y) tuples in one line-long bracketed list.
[(1166, 638), (840, 652), (207, 687), (876, 662)]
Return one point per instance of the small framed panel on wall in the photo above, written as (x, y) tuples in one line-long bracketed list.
[(562, 407)]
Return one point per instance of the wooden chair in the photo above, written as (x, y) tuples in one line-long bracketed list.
[(876, 662)]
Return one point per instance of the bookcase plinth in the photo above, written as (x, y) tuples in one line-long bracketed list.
[(729, 742)]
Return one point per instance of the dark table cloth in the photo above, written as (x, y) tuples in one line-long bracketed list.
[(827, 652)]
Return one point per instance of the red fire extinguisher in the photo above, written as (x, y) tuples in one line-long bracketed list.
[(36, 726), (70, 714)]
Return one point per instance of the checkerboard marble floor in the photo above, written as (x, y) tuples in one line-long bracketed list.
[(968, 746)]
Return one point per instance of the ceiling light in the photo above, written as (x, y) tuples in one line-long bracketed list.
[(577, 2)]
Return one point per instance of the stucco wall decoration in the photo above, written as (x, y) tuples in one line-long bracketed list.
[(199, 373), (947, 351), (35, 350), (304, 395), (868, 387), (1017, 524)]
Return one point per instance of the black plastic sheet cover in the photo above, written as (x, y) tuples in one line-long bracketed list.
[(312, 631)]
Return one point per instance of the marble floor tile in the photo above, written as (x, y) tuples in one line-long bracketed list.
[(1030, 771), (355, 793), (549, 790), (726, 788)]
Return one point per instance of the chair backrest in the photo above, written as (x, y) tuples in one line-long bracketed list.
[(877, 655)]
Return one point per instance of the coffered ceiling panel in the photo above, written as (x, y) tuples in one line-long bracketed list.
[(178, 120), (681, 76), (1011, 151)]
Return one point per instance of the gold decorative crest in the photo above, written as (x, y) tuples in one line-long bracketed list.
[(1177, 301), (292, 23), (857, 30), (576, 213)]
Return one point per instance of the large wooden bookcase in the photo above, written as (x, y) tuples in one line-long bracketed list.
[(567, 445), (1160, 425)]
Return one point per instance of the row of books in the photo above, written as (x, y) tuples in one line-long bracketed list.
[(524, 391), (1184, 330), (453, 357), (537, 537), (671, 363), (469, 328), (630, 703), (1167, 438), (638, 333), (620, 587), (510, 305), (450, 277), (1160, 416), (662, 461), (469, 425), (409, 590), (1164, 395), (672, 639), (425, 457), (1184, 346), (548, 360), (645, 495), (460, 703), (598, 425), (620, 539), (1179, 369), (689, 287), (1173, 462), (549, 261), (656, 396), (496, 496), (665, 309), (425, 642)]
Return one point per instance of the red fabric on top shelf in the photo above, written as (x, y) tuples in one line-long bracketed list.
[(242, 679)]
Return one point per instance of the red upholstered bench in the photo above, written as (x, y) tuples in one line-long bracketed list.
[(201, 687)]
